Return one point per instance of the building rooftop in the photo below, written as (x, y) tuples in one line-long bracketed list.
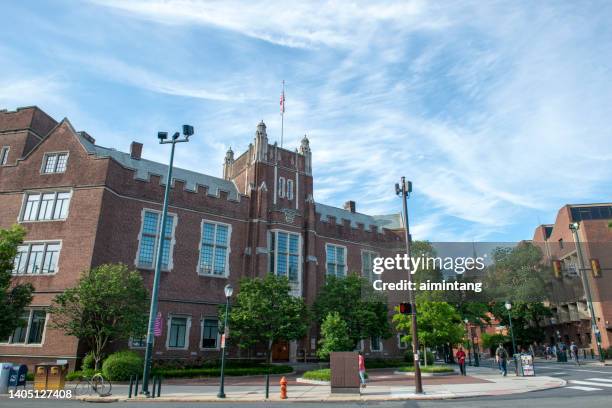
[(391, 221), (143, 169)]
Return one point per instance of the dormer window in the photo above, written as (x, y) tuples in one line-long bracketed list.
[(54, 163)]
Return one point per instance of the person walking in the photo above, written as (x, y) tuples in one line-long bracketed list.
[(501, 356), (362, 370), (574, 352), (461, 359)]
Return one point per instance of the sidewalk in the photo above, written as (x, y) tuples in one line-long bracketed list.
[(482, 381)]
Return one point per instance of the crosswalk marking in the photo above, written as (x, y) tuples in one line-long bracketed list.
[(560, 373), (599, 379), (578, 387), (597, 384)]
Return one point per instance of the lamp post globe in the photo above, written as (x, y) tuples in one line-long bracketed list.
[(508, 305), (229, 290)]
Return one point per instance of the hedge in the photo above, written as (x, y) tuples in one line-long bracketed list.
[(216, 371), (383, 363), (122, 365), (428, 369)]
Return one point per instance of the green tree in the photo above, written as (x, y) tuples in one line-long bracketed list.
[(526, 319), (363, 309), (108, 304), (13, 297), (265, 312), (334, 336), (518, 274), (438, 323)]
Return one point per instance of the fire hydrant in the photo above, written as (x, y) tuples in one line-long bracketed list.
[(283, 388)]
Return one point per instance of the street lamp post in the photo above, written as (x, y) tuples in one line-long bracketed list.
[(508, 307), (163, 139), (467, 336), (587, 288), (404, 191), (228, 293)]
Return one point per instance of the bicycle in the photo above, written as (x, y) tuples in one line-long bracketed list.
[(97, 383)]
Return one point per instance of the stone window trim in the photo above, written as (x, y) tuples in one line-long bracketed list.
[(49, 154), (373, 255), (273, 267), (4, 153), (172, 241), (281, 187), (290, 193), (380, 345), (31, 310), (401, 345), (327, 245), (46, 243), (28, 193), (218, 342), (187, 330), (227, 255)]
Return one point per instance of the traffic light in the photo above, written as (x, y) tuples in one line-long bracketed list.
[(405, 308), (596, 267), (556, 264)]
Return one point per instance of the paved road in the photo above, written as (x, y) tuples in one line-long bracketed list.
[(587, 386)]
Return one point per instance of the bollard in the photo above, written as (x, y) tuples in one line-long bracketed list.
[(131, 385), (267, 386), (283, 388), (159, 379), (136, 387)]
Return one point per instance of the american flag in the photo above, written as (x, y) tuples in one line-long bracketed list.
[(282, 102), (157, 330)]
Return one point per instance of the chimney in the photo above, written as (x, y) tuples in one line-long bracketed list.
[(350, 206), (136, 150)]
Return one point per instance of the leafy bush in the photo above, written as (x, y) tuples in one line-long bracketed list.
[(77, 375), (383, 363), (121, 365), (318, 375), (88, 362), (230, 370), (428, 369)]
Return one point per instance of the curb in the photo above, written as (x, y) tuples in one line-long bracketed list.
[(332, 398)]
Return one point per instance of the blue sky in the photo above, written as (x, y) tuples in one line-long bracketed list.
[(499, 112)]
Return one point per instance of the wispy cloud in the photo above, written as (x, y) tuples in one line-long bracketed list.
[(498, 112)]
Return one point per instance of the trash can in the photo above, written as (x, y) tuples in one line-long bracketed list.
[(5, 372), (18, 376)]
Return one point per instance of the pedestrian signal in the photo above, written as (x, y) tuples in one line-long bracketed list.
[(405, 308)]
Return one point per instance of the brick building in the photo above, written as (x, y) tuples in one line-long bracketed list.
[(83, 205), (571, 316)]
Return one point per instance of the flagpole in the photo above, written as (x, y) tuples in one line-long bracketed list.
[(283, 114)]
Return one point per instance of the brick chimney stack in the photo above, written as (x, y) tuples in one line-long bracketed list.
[(350, 206), (136, 150)]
